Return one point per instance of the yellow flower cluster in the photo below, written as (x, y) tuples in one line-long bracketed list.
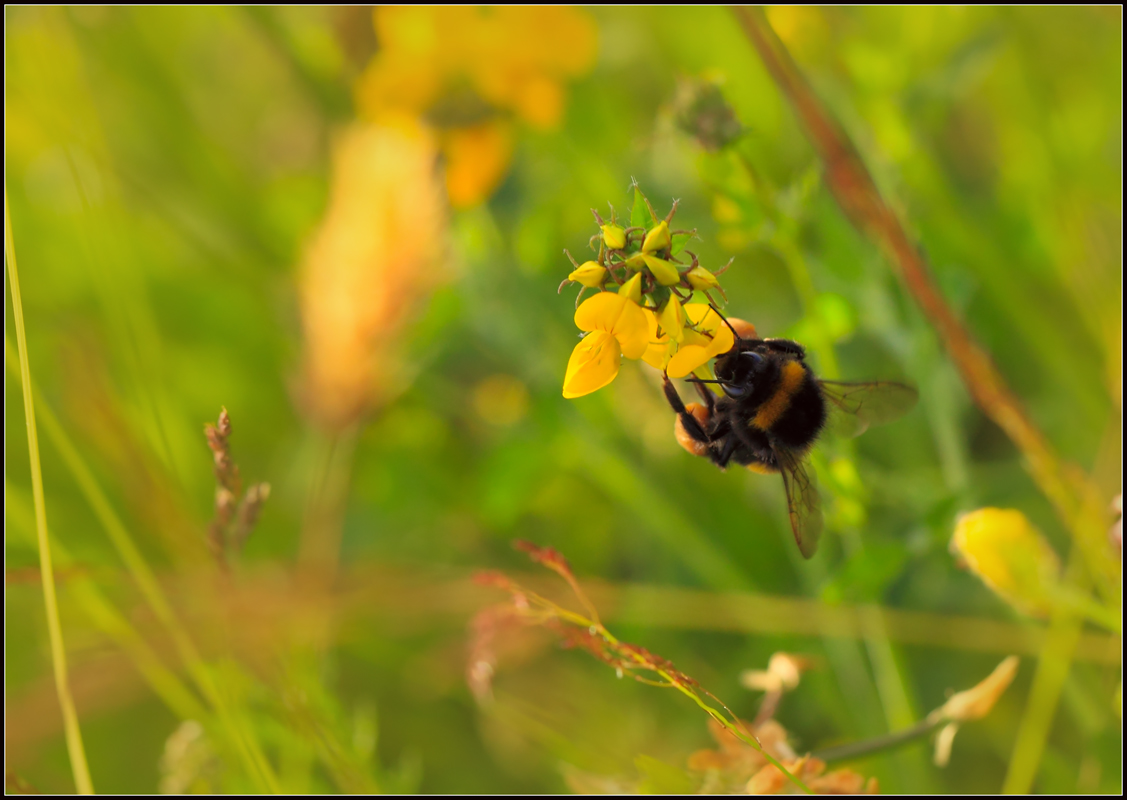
[(648, 317), (471, 72)]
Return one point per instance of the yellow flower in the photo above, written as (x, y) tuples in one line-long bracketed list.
[(1002, 548), (591, 274), (618, 327), (701, 341), (369, 268), (710, 339), (477, 159), (974, 703), (472, 73)]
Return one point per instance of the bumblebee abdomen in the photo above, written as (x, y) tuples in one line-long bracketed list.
[(805, 416), (795, 411)]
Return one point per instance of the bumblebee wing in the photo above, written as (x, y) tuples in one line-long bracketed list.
[(867, 403), (803, 505)]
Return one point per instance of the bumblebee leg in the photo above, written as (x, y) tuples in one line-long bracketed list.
[(707, 396), (689, 428)]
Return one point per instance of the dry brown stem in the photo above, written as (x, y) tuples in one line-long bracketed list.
[(1075, 498)]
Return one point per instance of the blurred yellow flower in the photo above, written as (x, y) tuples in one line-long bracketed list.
[(477, 158), (1003, 548), (471, 71), (376, 255), (617, 328)]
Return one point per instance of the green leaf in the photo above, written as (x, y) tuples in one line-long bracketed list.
[(639, 214), (679, 242)]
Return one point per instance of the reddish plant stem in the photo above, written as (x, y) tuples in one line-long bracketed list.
[(1073, 495)]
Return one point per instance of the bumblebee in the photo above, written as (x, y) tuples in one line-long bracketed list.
[(772, 411)]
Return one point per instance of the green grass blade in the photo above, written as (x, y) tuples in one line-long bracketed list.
[(75, 749)]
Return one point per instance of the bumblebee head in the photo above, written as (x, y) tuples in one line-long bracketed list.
[(739, 370)]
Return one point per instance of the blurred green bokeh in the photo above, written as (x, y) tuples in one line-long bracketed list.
[(166, 169)]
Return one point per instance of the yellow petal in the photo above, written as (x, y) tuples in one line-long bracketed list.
[(658, 347), (632, 331), (1010, 556), (672, 319), (657, 355), (976, 702), (709, 323), (593, 364), (601, 312), (686, 359)]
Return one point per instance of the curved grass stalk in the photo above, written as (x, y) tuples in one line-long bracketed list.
[(73, 732), (1073, 494), (245, 742)]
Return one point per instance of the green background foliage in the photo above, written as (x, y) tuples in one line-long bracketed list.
[(165, 168)]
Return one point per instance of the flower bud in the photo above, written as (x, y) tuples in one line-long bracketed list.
[(632, 289), (701, 279), (672, 319), (1002, 548), (614, 237), (636, 262), (591, 274), (657, 238), (664, 272)]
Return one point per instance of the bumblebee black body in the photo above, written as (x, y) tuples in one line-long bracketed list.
[(772, 412), (772, 401)]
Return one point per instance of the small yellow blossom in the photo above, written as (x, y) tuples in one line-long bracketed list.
[(614, 236), (591, 274), (665, 272), (974, 703), (1003, 548), (618, 327), (657, 238), (782, 674)]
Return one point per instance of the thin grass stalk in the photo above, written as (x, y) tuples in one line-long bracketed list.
[(1073, 495), (86, 595), (75, 749), (1048, 683), (245, 742)]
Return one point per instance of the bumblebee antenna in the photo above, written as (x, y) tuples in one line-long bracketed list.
[(724, 319)]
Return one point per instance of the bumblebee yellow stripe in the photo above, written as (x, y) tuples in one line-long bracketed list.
[(790, 379)]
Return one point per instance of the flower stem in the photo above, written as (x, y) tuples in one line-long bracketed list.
[(75, 749), (888, 741)]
